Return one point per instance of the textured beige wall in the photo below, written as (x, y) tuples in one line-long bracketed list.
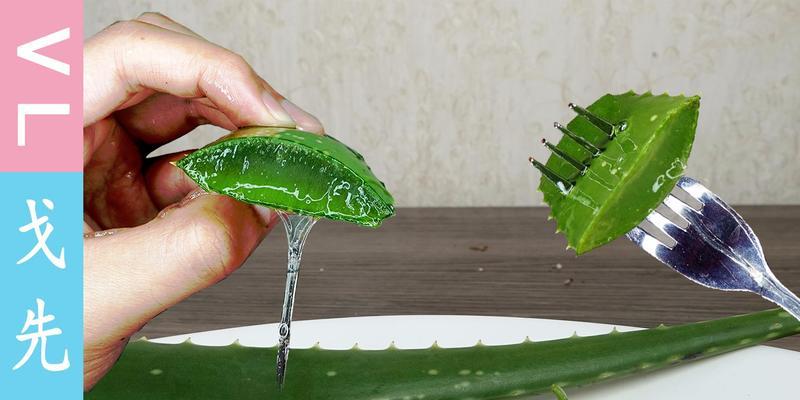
[(447, 99)]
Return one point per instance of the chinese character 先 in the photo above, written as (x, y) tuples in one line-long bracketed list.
[(40, 335), (41, 245)]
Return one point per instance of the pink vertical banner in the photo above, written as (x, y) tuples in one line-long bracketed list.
[(42, 85), (41, 168)]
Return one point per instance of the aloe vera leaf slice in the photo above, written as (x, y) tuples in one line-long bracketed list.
[(635, 171), (292, 170), (186, 371)]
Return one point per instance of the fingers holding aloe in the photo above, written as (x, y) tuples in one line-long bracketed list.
[(152, 239)]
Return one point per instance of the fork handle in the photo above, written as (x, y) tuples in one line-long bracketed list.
[(775, 292)]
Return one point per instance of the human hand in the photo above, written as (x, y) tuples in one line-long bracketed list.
[(152, 237)]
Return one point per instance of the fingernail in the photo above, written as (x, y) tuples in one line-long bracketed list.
[(266, 214), (304, 120), (279, 114)]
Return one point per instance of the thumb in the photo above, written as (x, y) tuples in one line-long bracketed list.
[(132, 275)]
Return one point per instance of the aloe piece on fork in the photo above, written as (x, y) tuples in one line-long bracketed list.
[(615, 162)]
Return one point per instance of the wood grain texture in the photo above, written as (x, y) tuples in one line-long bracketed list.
[(478, 261)]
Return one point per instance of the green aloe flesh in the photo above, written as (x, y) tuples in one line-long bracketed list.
[(292, 170), (633, 173), (186, 371)]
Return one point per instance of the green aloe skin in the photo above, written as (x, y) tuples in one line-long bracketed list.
[(186, 371), (297, 172), (294, 171), (632, 172)]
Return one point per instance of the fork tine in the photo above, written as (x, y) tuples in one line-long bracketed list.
[(581, 167), (635, 235), (562, 184), (587, 145), (647, 242), (669, 228), (679, 207), (607, 127), (695, 189)]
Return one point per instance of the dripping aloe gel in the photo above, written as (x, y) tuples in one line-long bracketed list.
[(303, 175)]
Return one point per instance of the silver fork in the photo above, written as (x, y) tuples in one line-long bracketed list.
[(717, 249)]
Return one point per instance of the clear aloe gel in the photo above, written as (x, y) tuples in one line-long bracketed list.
[(297, 230), (303, 173)]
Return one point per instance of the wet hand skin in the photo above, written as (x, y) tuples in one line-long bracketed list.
[(151, 238)]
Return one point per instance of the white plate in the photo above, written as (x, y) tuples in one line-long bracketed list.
[(756, 373)]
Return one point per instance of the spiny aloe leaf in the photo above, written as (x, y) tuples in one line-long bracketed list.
[(292, 170), (158, 371), (633, 172)]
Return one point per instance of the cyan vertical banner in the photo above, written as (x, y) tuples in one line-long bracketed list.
[(41, 205), (41, 329)]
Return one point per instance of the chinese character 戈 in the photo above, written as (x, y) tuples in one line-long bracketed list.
[(40, 335), (41, 238)]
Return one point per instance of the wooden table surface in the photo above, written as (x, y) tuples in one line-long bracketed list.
[(477, 261)]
